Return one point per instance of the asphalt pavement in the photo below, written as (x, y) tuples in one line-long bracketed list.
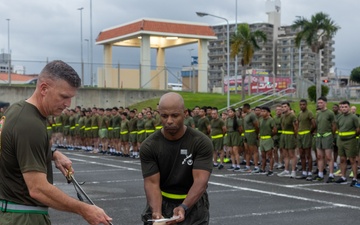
[(116, 184)]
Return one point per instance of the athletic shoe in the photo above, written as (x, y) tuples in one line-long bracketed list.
[(246, 170), (262, 172), (357, 185), (293, 174), (226, 160), (215, 165), (220, 166), (231, 168), (284, 174), (338, 173), (269, 173), (330, 180), (255, 170), (341, 181), (353, 182), (309, 178), (317, 178), (243, 163), (301, 177), (237, 169), (280, 166), (351, 175)]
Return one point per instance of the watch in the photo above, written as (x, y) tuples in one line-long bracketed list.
[(184, 207), (53, 150)]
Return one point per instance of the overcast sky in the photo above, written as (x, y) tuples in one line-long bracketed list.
[(50, 29)]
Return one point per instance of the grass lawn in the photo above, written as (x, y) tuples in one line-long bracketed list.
[(220, 101)]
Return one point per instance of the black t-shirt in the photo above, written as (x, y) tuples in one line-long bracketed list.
[(24, 148), (175, 160)]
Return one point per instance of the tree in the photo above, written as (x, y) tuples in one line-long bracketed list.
[(245, 42), (355, 75), (316, 32), (312, 92)]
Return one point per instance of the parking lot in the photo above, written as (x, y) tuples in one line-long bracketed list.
[(116, 184)]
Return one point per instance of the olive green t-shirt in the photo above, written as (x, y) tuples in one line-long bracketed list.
[(216, 126), (249, 121), (304, 119), (203, 124), (287, 122), (124, 126), (23, 150), (116, 121), (230, 124), (266, 126), (189, 121), (133, 124), (347, 122), (140, 125), (324, 121)]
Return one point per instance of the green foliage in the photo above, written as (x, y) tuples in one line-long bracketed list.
[(312, 92), (355, 75)]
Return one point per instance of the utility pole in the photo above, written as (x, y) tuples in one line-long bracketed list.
[(9, 59)]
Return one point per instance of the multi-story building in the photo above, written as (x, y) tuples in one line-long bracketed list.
[(278, 55), (4, 62)]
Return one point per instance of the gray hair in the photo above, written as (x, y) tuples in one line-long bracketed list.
[(58, 69)]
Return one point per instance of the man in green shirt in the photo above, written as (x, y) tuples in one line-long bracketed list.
[(218, 129), (348, 126), (203, 122), (326, 127), (306, 124)]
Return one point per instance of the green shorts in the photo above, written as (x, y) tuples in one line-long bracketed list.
[(234, 139), (88, 133), (133, 137), (94, 133), (225, 140), (82, 133), (141, 137), (325, 142), (124, 137), (217, 143), (9, 218), (251, 138), (304, 141), (266, 144), (276, 139), (72, 132), (66, 130), (287, 141), (347, 147), (103, 133), (116, 133)]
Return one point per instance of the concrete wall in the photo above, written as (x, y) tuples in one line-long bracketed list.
[(87, 97)]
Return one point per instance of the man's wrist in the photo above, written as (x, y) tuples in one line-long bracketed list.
[(53, 150), (182, 205)]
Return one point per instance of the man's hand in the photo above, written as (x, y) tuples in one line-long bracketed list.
[(95, 215), (180, 212), (63, 163)]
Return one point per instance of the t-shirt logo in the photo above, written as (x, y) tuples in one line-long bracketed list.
[(188, 160)]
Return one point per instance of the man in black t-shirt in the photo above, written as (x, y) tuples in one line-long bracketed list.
[(176, 163)]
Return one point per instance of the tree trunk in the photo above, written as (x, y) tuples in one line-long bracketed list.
[(318, 76), (243, 84)]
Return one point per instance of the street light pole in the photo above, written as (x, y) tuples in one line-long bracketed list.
[(298, 81), (81, 48), (88, 54), (191, 80), (202, 14), (9, 59), (91, 47)]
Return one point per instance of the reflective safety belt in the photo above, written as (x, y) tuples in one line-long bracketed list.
[(265, 137), (158, 127), (287, 132), (347, 133), (279, 131), (48, 127), (150, 131), (304, 132), (133, 132), (242, 134), (323, 135), (72, 127), (82, 128), (172, 196), (95, 127), (217, 136), (110, 128), (6, 206), (249, 131), (87, 128), (141, 131), (124, 132)]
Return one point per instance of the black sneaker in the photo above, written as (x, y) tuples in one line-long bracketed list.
[(317, 178), (237, 169), (215, 165), (231, 168), (220, 166), (309, 178), (269, 173), (330, 180), (353, 182), (341, 181), (301, 177)]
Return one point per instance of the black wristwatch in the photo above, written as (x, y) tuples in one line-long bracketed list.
[(184, 207), (53, 150)]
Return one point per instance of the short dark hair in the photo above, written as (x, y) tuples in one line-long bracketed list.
[(246, 105), (265, 108), (323, 98), (345, 102), (286, 103), (59, 70), (303, 100)]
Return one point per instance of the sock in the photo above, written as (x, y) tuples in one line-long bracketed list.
[(321, 174), (304, 173)]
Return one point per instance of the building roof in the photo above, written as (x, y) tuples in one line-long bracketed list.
[(170, 31), (16, 78)]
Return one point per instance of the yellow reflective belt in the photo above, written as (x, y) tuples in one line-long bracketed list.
[(88, 128), (249, 131), (58, 124), (158, 127), (265, 137), (242, 134), (48, 127), (217, 136), (347, 133), (96, 127), (150, 131), (279, 131), (288, 132), (133, 132), (82, 128), (54, 125), (110, 128), (173, 196), (76, 124), (304, 132), (225, 135), (336, 132), (124, 132), (324, 135), (141, 131), (72, 127)]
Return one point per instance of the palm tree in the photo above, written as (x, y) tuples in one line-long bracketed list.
[(316, 32), (245, 42)]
